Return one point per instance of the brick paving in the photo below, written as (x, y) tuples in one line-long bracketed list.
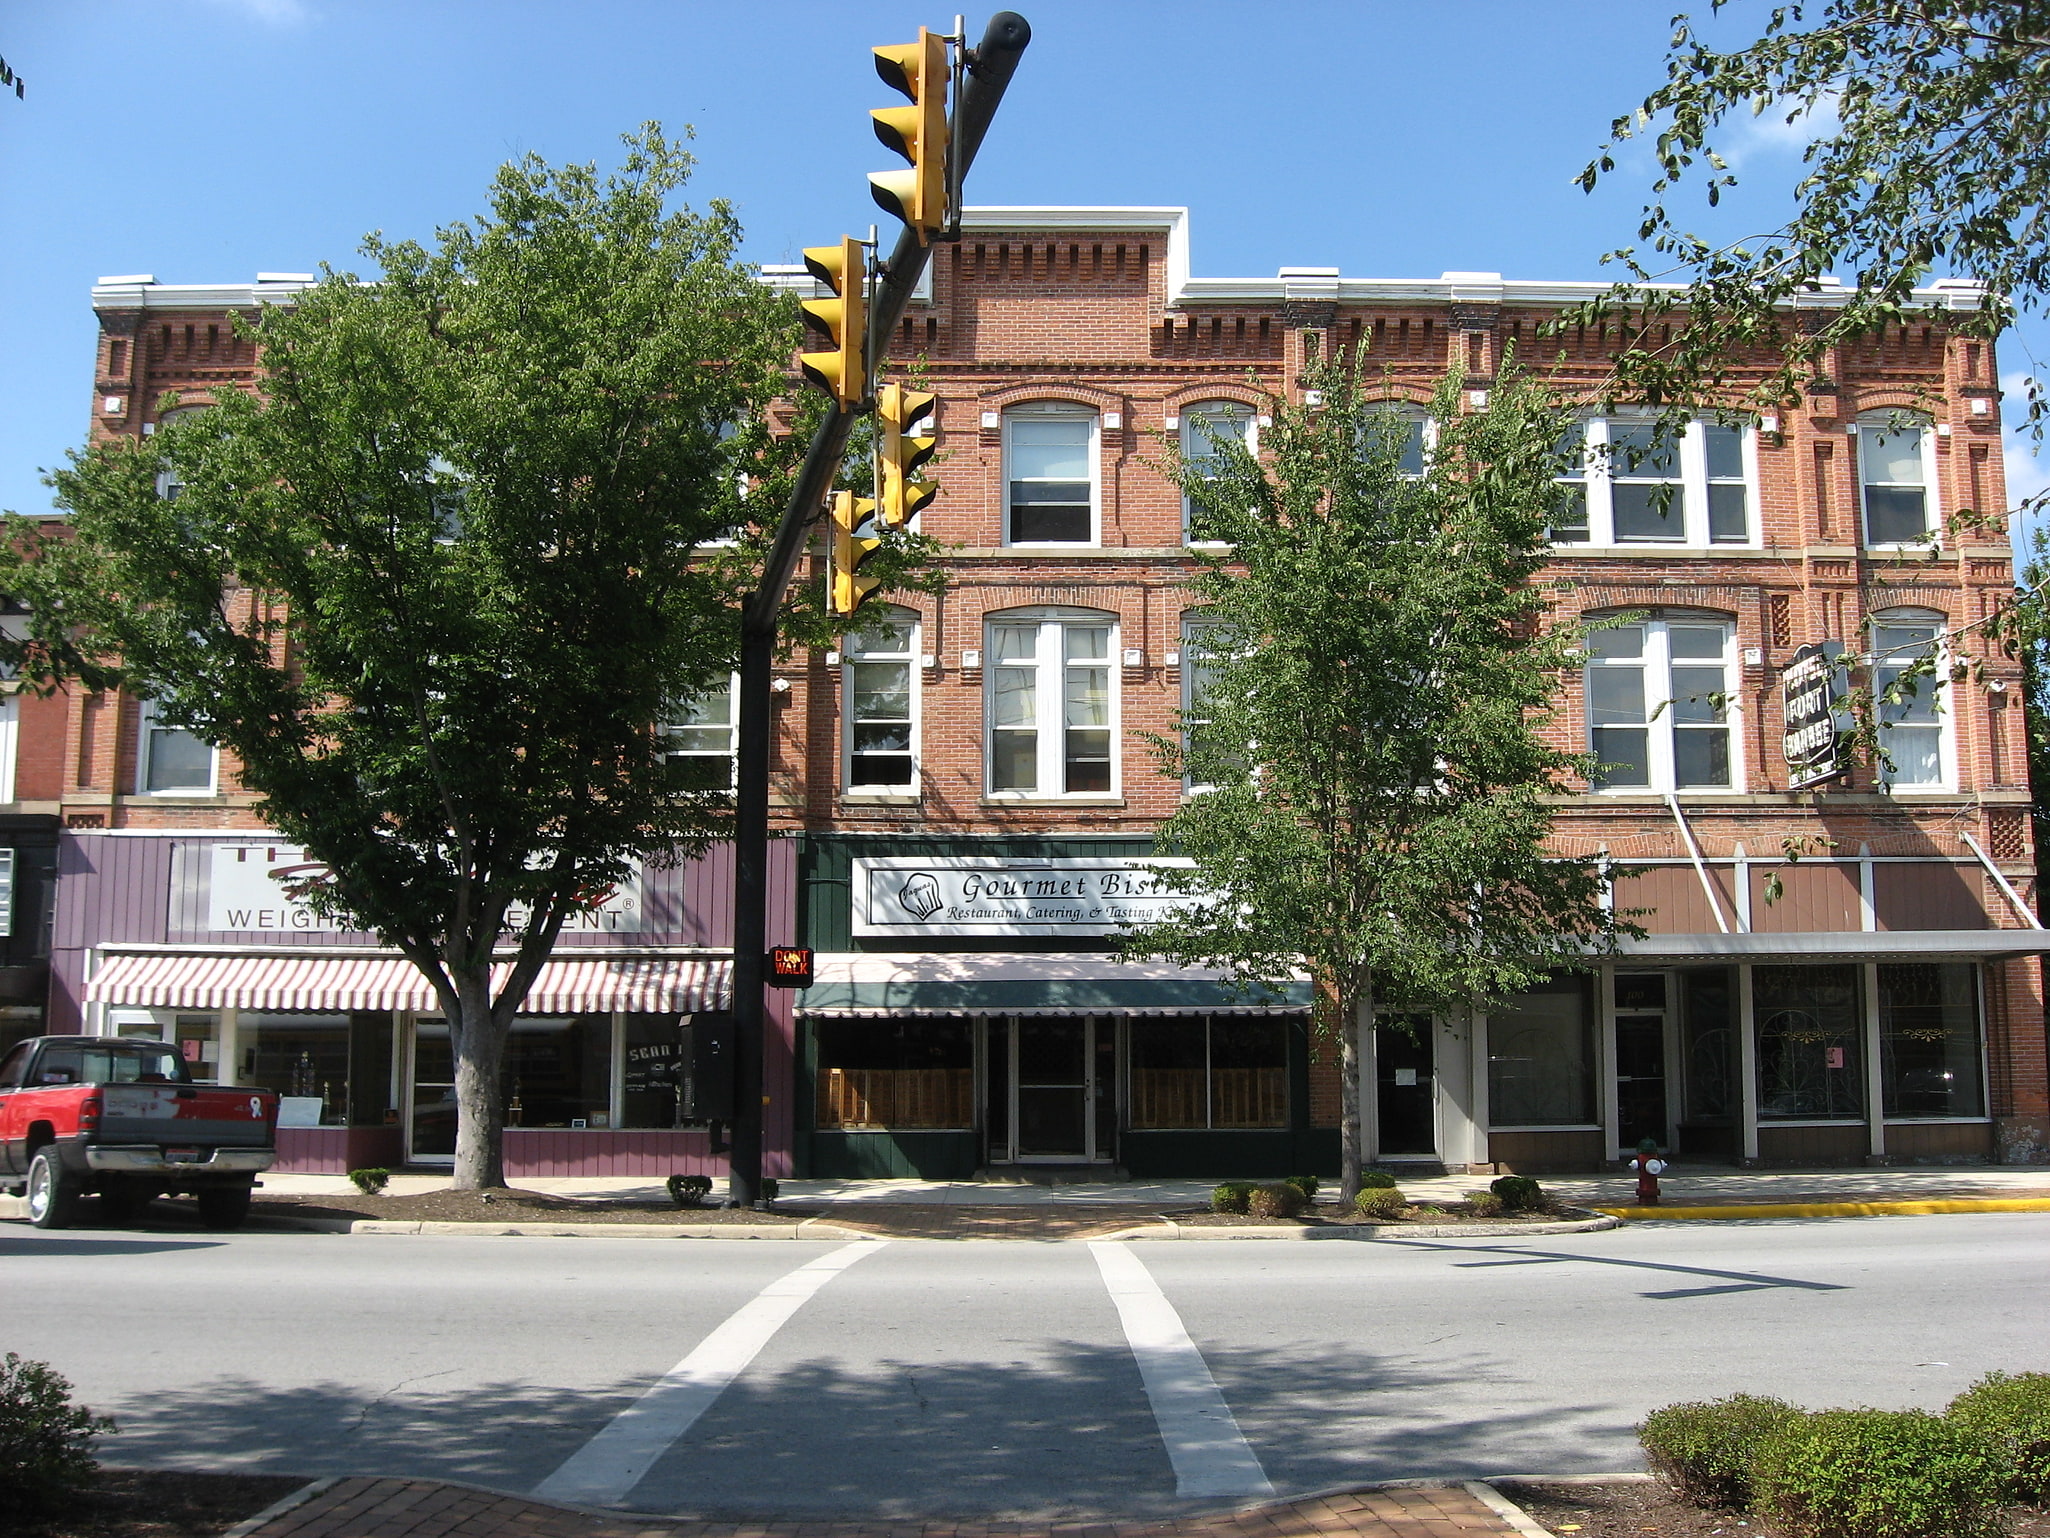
[(428, 1508)]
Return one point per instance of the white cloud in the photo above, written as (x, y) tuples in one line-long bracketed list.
[(1770, 133), (273, 13)]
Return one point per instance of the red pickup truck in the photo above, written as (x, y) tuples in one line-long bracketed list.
[(122, 1119)]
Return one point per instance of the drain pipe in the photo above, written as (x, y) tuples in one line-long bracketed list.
[(2006, 887), (1715, 903)]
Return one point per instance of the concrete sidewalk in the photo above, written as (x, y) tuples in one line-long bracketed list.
[(1684, 1186), (426, 1508)]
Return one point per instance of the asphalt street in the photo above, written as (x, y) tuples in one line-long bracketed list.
[(989, 1380)]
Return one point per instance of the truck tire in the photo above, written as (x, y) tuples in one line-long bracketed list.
[(52, 1194), (224, 1206), (124, 1201)]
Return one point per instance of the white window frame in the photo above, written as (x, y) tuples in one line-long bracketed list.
[(1934, 690), (147, 728), (1422, 423), (1050, 660), (1196, 446), (732, 727), (855, 648), (1600, 471), (10, 737), (1196, 630), (1657, 663), (1042, 411), (1873, 425)]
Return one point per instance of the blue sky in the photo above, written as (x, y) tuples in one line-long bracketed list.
[(207, 140)]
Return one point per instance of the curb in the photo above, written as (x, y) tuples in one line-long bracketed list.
[(1830, 1209), (803, 1228), (1167, 1228)]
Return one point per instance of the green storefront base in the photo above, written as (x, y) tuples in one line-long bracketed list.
[(895, 1155)]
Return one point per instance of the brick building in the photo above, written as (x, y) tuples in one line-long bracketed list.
[(969, 798)]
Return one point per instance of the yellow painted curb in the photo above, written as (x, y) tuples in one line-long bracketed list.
[(1835, 1209)]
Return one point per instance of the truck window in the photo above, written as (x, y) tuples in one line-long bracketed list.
[(13, 1067), (94, 1062)]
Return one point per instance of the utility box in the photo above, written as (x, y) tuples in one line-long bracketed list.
[(710, 1089)]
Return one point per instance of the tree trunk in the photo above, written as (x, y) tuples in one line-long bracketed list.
[(479, 1047), (1354, 1054)]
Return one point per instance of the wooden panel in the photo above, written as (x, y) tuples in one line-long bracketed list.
[(1539, 1153), (1844, 1143), (874, 1098), (1962, 1142), (599, 1151), (1673, 893), (1816, 897), (1929, 896)]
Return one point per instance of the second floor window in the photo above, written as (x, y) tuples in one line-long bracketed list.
[(1658, 705), (1049, 476), (172, 760), (1051, 710), (1893, 473), (702, 742), (881, 691), (1206, 429), (1910, 726), (1621, 483)]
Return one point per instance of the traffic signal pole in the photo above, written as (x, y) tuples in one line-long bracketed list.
[(989, 70)]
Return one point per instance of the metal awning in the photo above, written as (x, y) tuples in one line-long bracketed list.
[(998, 983), (1842, 945), (336, 984)]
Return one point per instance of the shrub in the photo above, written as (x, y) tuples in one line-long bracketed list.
[(1877, 1474), (1307, 1184), (1380, 1204), (1230, 1196), (1519, 1193), (46, 1442), (370, 1182), (1484, 1204), (2013, 1412), (1372, 1179), (1704, 1449), (689, 1190), (1276, 1201), (771, 1188)]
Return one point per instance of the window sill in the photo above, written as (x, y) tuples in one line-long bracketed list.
[(1091, 799), (881, 797), (1650, 548), (1564, 1126), (1766, 1122)]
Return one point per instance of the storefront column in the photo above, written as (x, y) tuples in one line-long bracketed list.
[(1747, 1063), (1609, 1109), (1458, 1133), (1483, 1142), (1369, 1040), (1875, 1109), (229, 1046)]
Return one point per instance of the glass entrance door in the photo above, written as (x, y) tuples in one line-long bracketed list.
[(431, 1096), (1641, 1110), (1063, 1100), (1407, 1090)]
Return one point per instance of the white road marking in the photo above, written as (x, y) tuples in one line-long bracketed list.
[(1210, 1454), (605, 1468)]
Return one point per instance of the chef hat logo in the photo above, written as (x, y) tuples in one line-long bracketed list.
[(920, 896)]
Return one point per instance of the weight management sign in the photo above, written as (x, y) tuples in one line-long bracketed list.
[(970, 896)]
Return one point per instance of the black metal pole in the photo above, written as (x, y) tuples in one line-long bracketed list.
[(989, 72)]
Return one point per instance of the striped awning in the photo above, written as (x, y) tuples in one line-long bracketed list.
[(339, 984)]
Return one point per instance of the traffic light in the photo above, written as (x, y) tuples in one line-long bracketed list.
[(841, 369), (917, 132), (904, 441), (846, 591)]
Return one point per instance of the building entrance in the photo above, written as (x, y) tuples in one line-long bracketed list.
[(1641, 1110), (431, 1095), (1407, 1094), (1063, 1070)]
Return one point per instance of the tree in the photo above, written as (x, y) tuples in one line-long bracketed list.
[(1374, 783), (1930, 156), (436, 585)]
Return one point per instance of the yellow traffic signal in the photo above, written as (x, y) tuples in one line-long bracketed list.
[(846, 591), (841, 369), (917, 132), (904, 441)]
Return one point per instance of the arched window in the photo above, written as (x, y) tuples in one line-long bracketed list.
[(1051, 703), (879, 678), (1416, 432), (1206, 430), (1910, 667), (1660, 694), (1050, 459)]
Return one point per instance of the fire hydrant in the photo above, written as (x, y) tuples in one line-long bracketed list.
[(1649, 1167)]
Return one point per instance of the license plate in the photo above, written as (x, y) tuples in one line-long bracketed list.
[(185, 1155)]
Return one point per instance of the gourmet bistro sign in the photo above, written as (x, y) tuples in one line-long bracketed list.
[(262, 887), (986, 896), (1812, 692)]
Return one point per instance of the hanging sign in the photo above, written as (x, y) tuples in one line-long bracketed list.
[(987, 895), (1812, 692)]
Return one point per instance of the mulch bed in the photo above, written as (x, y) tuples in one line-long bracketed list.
[(1632, 1510), (1449, 1212), (512, 1205), (161, 1503)]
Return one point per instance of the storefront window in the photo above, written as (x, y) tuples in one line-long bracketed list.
[(300, 1057), (558, 1071), (656, 1092), (911, 1075), (1809, 1062), (1929, 1040), (1541, 1057), (1223, 1071), (1708, 1034)]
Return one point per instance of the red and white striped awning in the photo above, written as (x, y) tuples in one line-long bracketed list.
[(338, 984)]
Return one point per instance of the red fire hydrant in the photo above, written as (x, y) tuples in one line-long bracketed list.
[(1649, 1167)]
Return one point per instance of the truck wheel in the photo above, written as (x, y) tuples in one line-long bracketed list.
[(223, 1206), (52, 1196), (124, 1201)]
